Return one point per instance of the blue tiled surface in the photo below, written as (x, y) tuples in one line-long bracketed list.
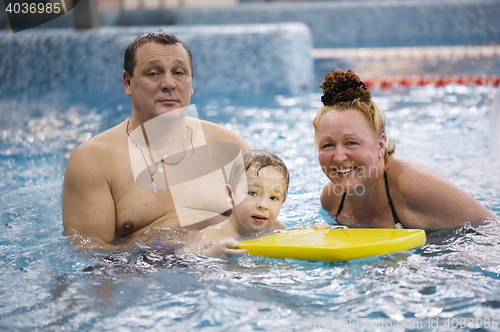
[(340, 23), (228, 59), (236, 58), (365, 23)]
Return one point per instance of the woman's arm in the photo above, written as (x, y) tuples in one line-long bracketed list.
[(430, 200)]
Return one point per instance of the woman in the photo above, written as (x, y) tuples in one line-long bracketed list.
[(369, 185)]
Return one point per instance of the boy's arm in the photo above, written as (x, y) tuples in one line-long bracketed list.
[(212, 234), (225, 248), (196, 245), (321, 226)]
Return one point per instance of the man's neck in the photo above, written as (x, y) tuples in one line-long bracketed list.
[(164, 134)]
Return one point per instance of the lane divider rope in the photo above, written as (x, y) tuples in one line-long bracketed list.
[(438, 81), (450, 54)]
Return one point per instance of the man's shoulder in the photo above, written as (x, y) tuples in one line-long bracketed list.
[(99, 145), (217, 133), (213, 128)]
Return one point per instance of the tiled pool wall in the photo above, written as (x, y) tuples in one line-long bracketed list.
[(337, 23), (228, 59), (354, 23), (244, 49)]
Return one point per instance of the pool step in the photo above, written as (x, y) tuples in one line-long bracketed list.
[(447, 53)]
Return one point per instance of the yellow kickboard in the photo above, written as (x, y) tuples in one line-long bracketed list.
[(339, 244)]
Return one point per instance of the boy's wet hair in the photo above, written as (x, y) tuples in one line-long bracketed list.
[(262, 158), (159, 37)]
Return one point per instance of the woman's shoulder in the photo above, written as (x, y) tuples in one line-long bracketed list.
[(409, 173), (429, 198), (330, 198)]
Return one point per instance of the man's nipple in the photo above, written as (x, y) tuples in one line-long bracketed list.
[(128, 226)]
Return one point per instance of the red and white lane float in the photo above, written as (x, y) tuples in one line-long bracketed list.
[(415, 81), (402, 55)]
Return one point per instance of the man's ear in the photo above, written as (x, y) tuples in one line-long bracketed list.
[(229, 194), (126, 83)]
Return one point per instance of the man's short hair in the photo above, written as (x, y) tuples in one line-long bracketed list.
[(159, 37)]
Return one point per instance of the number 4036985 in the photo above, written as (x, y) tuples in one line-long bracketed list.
[(33, 8), (471, 322)]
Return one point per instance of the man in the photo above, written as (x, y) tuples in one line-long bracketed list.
[(137, 181)]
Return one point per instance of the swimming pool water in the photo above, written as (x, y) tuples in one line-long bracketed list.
[(46, 285)]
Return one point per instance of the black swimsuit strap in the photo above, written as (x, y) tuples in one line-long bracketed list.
[(393, 210), (341, 206)]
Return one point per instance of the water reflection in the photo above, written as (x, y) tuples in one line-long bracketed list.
[(48, 285)]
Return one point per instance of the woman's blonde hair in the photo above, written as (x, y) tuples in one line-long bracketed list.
[(345, 91)]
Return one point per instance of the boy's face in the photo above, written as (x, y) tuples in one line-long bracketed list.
[(261, 200)]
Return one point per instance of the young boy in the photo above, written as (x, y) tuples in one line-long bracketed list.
[(257, 188)]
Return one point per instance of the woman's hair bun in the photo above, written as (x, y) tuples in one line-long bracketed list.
[(342, 87)]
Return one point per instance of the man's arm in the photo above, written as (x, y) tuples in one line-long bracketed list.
[(87, 205)]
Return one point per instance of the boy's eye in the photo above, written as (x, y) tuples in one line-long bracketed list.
[(274, 198), (253, 193)]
